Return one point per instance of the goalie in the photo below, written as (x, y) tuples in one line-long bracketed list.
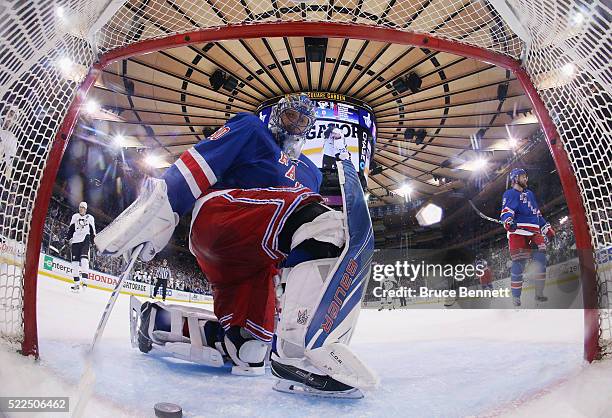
[(262, 212)]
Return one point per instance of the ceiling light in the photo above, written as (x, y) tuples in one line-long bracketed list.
[(65, 63), (119, 140), (404, 191), (577, 19), (91, 107), (429, 214), (153, 160), (480, 164), (568, 69)]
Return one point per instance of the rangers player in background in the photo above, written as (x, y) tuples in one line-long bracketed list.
[(528, 233), (485, 276), (252, 195), (80, 234)]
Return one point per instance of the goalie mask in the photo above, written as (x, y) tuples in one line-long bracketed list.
[(290, 122)]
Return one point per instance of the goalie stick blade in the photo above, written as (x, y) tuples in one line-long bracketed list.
[(287, 386)]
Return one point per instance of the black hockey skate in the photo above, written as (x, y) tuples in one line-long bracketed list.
[(295, 380), (145, 344), (541, 298)]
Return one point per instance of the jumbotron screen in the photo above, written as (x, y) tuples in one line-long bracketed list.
[(356, 121)]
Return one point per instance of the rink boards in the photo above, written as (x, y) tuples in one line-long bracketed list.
[(60, 269)]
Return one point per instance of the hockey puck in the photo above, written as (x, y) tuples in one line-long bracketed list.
[(167, 410)]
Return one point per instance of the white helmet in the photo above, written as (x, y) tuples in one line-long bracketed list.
[(83, 205)]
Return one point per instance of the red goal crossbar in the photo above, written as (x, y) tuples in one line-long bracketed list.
[(328, 30)]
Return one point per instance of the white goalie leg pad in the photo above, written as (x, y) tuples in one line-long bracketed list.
[(304, 287), (304, 283), (149, 220), (196, 348), (322, 298), (339, 362)]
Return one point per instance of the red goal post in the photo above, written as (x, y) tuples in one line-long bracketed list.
[(566, 150)]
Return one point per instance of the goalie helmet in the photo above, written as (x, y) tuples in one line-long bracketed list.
[(290, 122), (515, 173)]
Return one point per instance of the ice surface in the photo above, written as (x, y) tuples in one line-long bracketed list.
[(442, 363)]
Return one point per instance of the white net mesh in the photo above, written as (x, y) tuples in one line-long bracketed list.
[(45, 51), (569, 62), (34, 96), (471, 22)]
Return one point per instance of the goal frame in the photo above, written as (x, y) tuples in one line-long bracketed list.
[(571, 190)]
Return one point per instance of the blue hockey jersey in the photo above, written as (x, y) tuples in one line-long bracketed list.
[(522, 207), (242, 154)]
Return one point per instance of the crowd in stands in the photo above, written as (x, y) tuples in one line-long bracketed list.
[(186, 274)]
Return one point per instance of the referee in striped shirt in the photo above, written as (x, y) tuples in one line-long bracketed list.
[(162, 275)]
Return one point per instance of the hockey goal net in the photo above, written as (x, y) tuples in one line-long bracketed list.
[(51, 54)]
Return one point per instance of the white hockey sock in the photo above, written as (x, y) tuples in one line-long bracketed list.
[(75, 271)]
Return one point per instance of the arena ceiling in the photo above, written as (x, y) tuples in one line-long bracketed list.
[(164, 102)]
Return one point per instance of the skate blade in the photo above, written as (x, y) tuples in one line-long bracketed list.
[(287, 386)]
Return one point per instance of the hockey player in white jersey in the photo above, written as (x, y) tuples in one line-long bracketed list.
[(334, 149), (81, 232), (8, 143), (386, 301)]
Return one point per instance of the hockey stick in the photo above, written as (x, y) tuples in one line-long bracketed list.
[(482, 215), (88, 377)]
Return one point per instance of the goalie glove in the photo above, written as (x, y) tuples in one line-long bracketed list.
[(149, 221)]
